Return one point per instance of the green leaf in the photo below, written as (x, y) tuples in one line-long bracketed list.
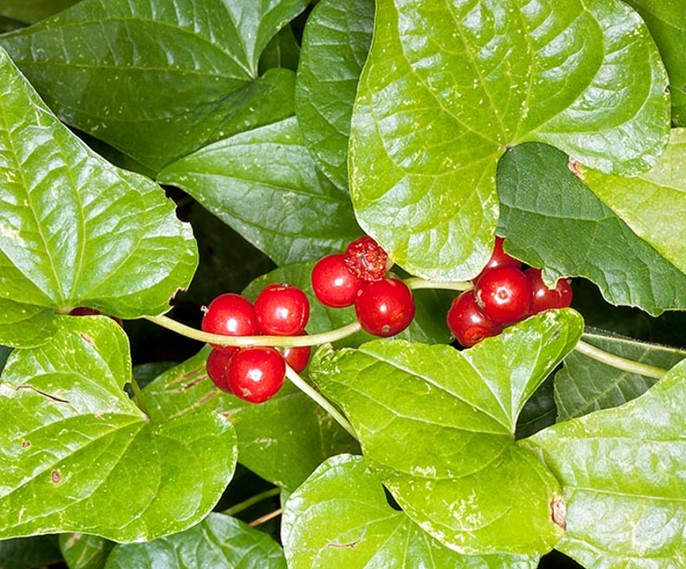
[(437, 428), (83, 551), (28, 552), (157, 79), (552, 220), (282, 51), (264, 184), (666, 20), (219, 542), (283, 440), (335, 45), (653, 205), (622, 475), (585, 385), (77, 455), (340, 518), (74, 230), (432, 118), (539, 411), (30, 11)]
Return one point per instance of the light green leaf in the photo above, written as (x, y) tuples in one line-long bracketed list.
[(283, 440), (74, 230), (340, 518), (437, 428), (552, 220), (218, 542), (157, 79), (264, 184), (28, 552), (83, 551), (30, 11), (432, 118), (585, 385), (653, 205), (622, 475), (77, 455), (335, 45)]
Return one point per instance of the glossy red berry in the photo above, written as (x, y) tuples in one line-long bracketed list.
[(385, 308), (503, 294), (230, 315), (499, 258), (297, 357), (282, 310), (333, 284), (218, 369), (468, 323), (544, 298), (366, 259), (256, 374)]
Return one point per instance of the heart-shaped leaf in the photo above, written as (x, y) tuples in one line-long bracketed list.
[(76, 454), (219, 542), (82, 551), (340, 517), (552, 220), (335, 46), (622, 473), (74, 230), (158, 78), (236, 178), (432, 118), (437, 428)]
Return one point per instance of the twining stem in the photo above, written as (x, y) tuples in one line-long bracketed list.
[(320, 400), (416, 283), (138, 395), (265, 518), (256, 499), (619, 362)]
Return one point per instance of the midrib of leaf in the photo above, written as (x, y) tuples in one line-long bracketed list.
[(652, 498)]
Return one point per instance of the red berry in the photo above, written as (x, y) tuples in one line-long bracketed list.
[(503, 294), (499, 259), (230, 315), (544, 298), (385, 307), (282, 310), (297, 357), (468, 323), (218, 369), (333, 284), (366, 259), (256, 374)]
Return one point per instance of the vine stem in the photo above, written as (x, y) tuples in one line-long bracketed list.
[(256, 499), (266, 518), (138, 395), (619, 362), (320, 400), (416, 283)]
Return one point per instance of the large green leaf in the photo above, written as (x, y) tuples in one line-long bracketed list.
[(622, 473), (653, 205), (30, 11), (283, 440), (158, 78), (218, 542), (76, 454), (74, 230), (265, 185), (335, 46), (432, 118), (82, 551), (28, 552), (340, 518), (585, 385), (666, 20), (437, 428), (552, 220)]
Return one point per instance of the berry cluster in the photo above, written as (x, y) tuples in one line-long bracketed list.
[(256, 373), (503, 294), (384, 306)]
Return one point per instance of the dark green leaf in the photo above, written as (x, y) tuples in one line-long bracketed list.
[(28, 552), (83, 551), (539, 411), (340, 518), (77, 455), (30, 11), (335, 45), (585, 385), (75, 231), (282, 51), (218, 542), (622, 475), (432, 117), (437, 428), (552, 220), (264, 184), (158, 79)]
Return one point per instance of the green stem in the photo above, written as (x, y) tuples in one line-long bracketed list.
[(417, 283), (138, 395), (320, 400), (619, 362), (280, 341), (257, 498)]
